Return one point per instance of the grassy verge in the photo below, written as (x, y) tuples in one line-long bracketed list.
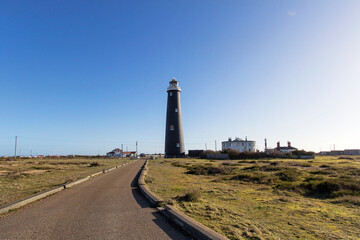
[(25, 177), (265, 199)]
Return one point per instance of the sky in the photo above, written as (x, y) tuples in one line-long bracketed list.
[(84, 77)]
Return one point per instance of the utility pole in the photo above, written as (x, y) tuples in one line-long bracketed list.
[(205, 147), (15, 146), (136, 148), (122, 150), (215, 146)]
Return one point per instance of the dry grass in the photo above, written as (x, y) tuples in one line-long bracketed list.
[(25, 177), (265, 199)]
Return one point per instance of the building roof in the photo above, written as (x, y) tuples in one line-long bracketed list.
[(238, 140), (285, 148)]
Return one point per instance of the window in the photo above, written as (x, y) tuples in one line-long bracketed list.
[(172, 127), (178, 145), (176, 110), (170, 93)]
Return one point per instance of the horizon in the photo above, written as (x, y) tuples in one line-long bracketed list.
[(83, 79)]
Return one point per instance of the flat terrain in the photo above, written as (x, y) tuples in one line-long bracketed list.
[(265, 199), (108, 206), (27, 176)]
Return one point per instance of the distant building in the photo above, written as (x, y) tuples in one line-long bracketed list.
[(195, 153), (287, 149), (129, 154), (117, 152), (341, 152), (239, 145), (352, 152)]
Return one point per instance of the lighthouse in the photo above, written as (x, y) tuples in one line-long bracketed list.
[(174, 139)]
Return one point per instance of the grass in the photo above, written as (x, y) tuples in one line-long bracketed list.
[(22, 178), (265, 199)]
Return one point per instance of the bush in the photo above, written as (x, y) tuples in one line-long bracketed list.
[(348, 158), (292, 186), (333, 187), (326, 187), (209, 170), (348, 199), (289, 175), (252, 177), (302, 152), (94, 164), (177, 164), (190, 196)]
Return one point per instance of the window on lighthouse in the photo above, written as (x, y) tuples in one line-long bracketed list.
[(177, 145), (176, 110), (172, 127), (170, 93)]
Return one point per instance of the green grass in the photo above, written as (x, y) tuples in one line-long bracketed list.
[(22, 178), (265, 199)]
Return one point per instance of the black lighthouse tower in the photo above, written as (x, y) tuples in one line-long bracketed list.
[(174, 139)]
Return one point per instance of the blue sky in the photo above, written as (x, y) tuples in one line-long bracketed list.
[(83, 77)]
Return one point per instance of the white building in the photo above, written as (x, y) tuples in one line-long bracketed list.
[(239, 145), (115, 153), (287, 149)]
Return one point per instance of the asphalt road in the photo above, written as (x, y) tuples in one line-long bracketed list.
[(109, 206)]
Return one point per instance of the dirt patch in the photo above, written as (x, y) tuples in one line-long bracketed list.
[(35, 171), (3, 172)]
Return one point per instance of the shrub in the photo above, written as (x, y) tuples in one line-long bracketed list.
[(333, 187), (209, 170), (348, 199), (324, 172), (94, 164), (229, 164), (219, 170), (289, 175), (302, 152), (292, 186), (252, 168), (252, 177), (177, 164), (197, 170), (326, 187), (190, 196), (271, 168)]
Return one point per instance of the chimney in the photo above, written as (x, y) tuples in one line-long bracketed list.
[(278, 144), (289, 144)]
